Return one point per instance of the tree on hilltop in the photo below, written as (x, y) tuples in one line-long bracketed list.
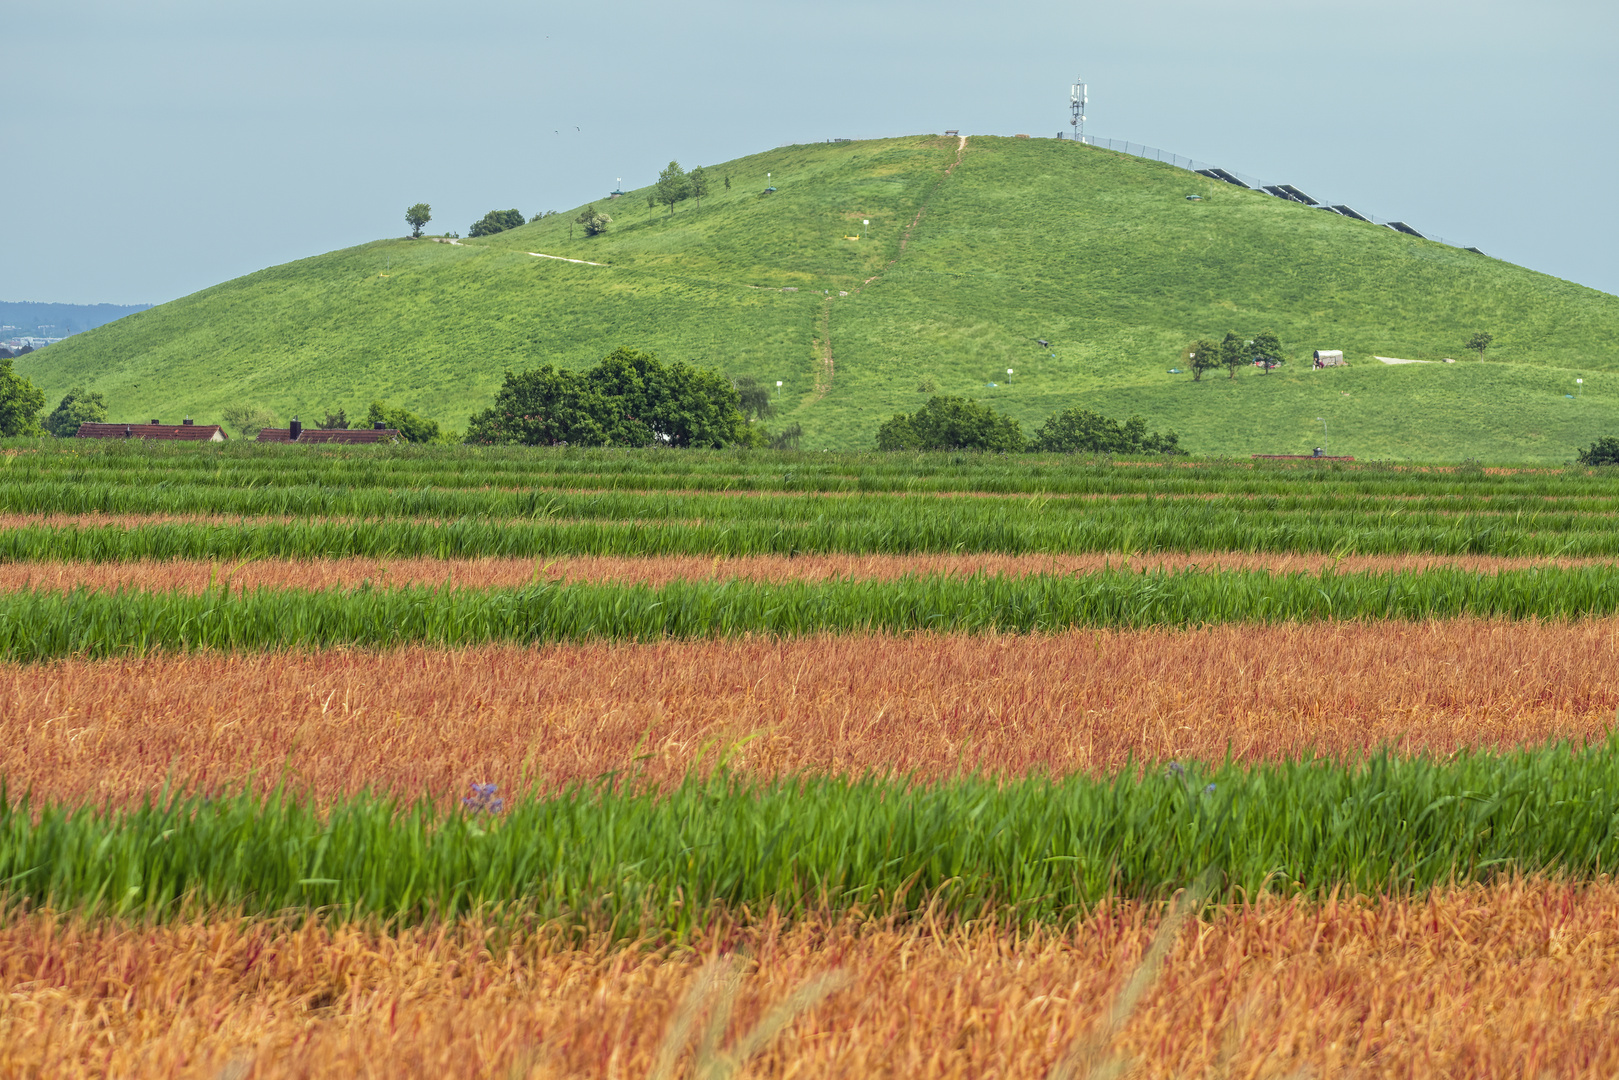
[(672, 186), (417, 216)]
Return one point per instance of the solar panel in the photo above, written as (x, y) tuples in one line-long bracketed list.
[(1347, 212), (1475, 251), (1297, 194), (1400, 226), (1221, 174), (1210, 173), (1276, 190)]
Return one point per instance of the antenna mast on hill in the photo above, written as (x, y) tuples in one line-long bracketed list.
[(1077, 100)]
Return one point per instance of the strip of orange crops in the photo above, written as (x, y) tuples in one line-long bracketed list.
[(420, 720), (1519, 979), (194, 576)]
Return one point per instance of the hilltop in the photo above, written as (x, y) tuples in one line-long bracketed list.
[(972, 254)]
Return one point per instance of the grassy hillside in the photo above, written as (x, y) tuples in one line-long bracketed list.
[(1097, 252)]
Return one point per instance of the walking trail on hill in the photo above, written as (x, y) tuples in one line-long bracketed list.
[(824, 377)]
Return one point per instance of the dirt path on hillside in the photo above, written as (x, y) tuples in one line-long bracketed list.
[(827, 365)]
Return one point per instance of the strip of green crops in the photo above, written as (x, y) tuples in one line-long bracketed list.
[(237, 465), (741, 525), (36, 625), (1037, 849)]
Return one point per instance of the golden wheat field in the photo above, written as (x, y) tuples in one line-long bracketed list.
[(431, 721), (485, 573), (1516, 979)]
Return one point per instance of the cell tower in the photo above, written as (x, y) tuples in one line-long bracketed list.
[(1077, 99)]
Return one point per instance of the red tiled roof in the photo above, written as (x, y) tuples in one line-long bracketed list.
[(334, 435), (189, 432)]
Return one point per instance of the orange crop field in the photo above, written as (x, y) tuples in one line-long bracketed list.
[(421, 720), (485, 573), (1516, 979)]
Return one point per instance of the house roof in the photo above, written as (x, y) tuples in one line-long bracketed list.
[(187, 432), (333, 435)]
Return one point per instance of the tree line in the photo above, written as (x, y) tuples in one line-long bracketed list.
[(957, 423)]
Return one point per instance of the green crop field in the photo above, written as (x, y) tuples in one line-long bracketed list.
[(950, 285), (928, 745)]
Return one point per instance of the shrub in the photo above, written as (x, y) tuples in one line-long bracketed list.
[(951, 423), (1605, 451), (1081, 431)]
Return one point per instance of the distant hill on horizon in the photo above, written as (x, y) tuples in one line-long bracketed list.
[(63, 319), (974, 253)]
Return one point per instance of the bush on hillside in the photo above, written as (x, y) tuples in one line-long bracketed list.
[(80, 406), (594, 221), (496, 221), (411, 428), (951, 423), (1605, 451), (630, 399), (1081, 431)]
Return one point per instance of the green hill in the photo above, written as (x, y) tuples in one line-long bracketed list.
[(963, 266)]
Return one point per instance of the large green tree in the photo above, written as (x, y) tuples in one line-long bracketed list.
[(411, 428), (672, 186), (79, 406), (417, 216), (20, 402), (1081, 431), (630, 399), (951, 423), (1200, 356), (1233, 353), (697, 180), (1266, 350)]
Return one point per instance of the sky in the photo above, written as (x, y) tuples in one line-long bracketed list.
[(153, 149)]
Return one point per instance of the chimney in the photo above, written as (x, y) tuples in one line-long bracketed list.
[(380, 425), (186, 421), (295, 429)]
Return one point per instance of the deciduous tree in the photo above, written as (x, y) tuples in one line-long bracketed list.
[(20, 402), (1479, 342), (697, 180), (672, 186), (418, 216), (1233, 353), (80, 406), (951, 423), (1266, 349)]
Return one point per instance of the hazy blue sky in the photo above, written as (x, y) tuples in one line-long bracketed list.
[(154, 148)]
